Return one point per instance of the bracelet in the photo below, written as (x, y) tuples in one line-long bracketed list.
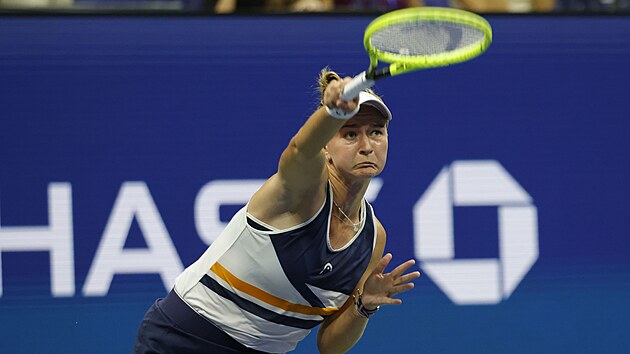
[(361, 310), (340, 114)]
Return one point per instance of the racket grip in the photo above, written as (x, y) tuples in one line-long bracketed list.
[(356, 85)]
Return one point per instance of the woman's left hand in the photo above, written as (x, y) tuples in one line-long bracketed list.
[(379, 288)]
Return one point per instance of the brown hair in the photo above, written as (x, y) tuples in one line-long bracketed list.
[(326, 76)]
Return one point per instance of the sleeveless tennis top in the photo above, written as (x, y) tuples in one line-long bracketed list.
[(268, 288)]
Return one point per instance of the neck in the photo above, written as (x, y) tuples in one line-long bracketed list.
[(348, 197)]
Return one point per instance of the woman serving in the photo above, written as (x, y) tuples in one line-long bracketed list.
[(307, 249)]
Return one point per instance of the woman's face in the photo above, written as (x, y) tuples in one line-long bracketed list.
[(359, 149)]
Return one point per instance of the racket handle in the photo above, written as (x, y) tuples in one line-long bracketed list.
[(356, 85)]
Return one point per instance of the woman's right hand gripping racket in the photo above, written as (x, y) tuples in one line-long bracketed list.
[(419, 38)]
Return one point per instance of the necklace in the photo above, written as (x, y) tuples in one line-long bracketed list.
[(354, 226)]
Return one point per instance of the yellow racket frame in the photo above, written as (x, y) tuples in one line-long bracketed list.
[(404, 63)]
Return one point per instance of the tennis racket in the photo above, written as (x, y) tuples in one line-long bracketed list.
[(419, 38)]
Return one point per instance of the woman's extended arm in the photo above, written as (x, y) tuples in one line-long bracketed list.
[(302, 170)]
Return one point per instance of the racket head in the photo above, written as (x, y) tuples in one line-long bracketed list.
[(425, 37)]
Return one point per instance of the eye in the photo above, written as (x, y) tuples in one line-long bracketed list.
[(376, 132), (350, 134)]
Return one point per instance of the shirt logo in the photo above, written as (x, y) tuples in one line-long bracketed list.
[(327, 268)]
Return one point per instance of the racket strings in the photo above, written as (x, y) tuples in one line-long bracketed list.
[(425, 38)]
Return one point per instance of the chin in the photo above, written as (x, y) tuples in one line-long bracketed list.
[(365, 174)]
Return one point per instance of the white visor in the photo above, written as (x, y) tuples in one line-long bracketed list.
[(370, 99)]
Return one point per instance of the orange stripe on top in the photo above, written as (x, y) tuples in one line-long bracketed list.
[(264, 296)]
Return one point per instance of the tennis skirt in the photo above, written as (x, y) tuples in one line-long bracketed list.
[(171, 326)]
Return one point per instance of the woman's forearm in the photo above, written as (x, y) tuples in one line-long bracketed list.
[(342, 333)]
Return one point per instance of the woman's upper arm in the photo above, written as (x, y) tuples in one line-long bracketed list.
[(298, 187), (299, 171)]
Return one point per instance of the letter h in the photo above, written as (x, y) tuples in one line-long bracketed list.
[(56, 238)]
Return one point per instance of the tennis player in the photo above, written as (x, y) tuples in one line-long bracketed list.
[(307, 249)]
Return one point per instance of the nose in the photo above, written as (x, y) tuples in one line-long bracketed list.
[(365, 145)]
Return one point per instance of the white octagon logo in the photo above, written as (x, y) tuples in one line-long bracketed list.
[(476, 183)]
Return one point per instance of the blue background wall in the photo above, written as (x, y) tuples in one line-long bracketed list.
[(179, 102)]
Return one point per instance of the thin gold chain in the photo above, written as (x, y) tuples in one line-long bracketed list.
[(354, 225)]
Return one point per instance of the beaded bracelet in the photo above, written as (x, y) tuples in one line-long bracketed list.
[(361, 310)]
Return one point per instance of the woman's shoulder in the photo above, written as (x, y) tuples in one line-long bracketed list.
[(278, 205)]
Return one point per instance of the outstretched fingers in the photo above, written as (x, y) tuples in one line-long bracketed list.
[(382, 264), (402, 268), (407, 278), (379, 287), (397, 289), (400, 282), (386, 300)]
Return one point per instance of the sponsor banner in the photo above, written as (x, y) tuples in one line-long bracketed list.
[(127, 143)]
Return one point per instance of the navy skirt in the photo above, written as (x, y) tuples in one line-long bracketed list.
[(171, 326)]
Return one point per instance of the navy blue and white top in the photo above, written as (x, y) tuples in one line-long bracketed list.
[(267, 288)]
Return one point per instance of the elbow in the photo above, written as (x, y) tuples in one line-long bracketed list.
[(290, 152), (324, 349), (326, 346), (294, 149), (321, 343), (301, 149)]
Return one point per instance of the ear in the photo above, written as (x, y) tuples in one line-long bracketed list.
[(327, 155)]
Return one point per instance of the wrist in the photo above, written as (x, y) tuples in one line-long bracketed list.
[(338, 113), (365, 311)]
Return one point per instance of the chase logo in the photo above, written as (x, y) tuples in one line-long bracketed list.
[(467, 184)]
